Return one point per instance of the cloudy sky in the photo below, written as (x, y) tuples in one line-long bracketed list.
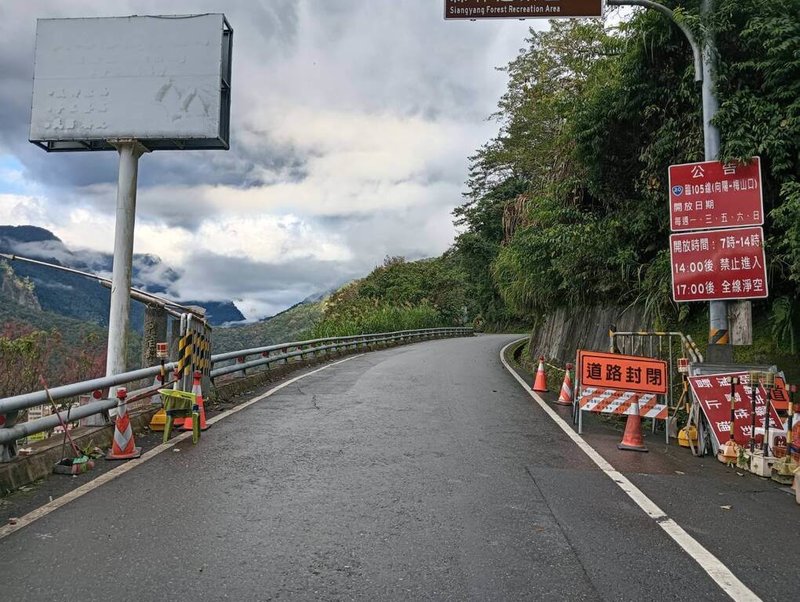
[(352, 121)]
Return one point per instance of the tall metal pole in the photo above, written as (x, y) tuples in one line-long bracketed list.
[(664, 10), (129, 153), (705, 53), (719, 348)]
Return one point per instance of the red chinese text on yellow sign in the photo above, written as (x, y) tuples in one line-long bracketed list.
[(626, 372)]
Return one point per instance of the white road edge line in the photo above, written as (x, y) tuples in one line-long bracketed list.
[(721, 575), (104, 478)]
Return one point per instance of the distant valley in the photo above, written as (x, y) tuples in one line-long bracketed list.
[(84, 299), (46, 299)]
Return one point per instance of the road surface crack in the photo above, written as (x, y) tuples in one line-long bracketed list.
[(314, 401), (564, 534)]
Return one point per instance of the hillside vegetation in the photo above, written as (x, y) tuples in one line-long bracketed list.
[(399, 295), (568, 205), (63, 350), (289, 325), (35, 343)]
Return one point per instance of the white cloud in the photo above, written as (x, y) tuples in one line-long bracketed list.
[(17, 209), (270, 239), (352, 122)]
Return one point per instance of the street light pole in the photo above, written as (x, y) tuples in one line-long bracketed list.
[(719, 348)]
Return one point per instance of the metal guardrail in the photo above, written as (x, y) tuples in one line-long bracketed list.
[(658, 344), (687, 344), (287, 351), (223, 364)]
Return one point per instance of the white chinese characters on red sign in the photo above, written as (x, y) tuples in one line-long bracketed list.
[(712, 194), (713, 393), (718, 265)]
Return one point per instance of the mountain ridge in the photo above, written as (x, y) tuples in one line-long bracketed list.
[(77, 297)]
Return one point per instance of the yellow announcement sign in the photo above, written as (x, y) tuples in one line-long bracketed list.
[(521, 9)]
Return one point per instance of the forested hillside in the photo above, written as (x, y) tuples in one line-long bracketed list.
[(399, 295), (289, 325), (568, 205), (63, 350)]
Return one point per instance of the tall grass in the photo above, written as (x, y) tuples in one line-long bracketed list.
[(377, 319)]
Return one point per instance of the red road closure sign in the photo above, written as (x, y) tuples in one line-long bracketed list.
[(718, 265), (625, 372), (713, 393), (521, 9), (712, 194), (780, 395)]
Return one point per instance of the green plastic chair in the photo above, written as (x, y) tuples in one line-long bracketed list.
[(180, 404)]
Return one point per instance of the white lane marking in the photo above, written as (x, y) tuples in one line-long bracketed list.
[(120, 470), (721, 575)]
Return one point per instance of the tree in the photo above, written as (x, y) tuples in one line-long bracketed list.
[(568, 204)]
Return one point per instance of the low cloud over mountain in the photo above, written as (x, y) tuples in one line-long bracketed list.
[(83, 298)]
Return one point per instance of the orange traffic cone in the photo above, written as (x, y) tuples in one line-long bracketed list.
[(197, 389), (565, 399), (540, 384), (632, 439), (123, 447)]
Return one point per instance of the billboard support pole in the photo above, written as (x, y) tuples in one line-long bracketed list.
[(129, 153)]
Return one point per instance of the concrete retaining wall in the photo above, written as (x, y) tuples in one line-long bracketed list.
[(565, 331)]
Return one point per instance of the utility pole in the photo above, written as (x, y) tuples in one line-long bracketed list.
[(705, 56)]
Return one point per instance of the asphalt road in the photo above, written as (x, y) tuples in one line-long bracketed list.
[(418, 472)]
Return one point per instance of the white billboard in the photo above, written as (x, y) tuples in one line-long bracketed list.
[(164, 81)]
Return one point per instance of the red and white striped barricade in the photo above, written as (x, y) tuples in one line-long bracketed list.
[(615, 401)]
